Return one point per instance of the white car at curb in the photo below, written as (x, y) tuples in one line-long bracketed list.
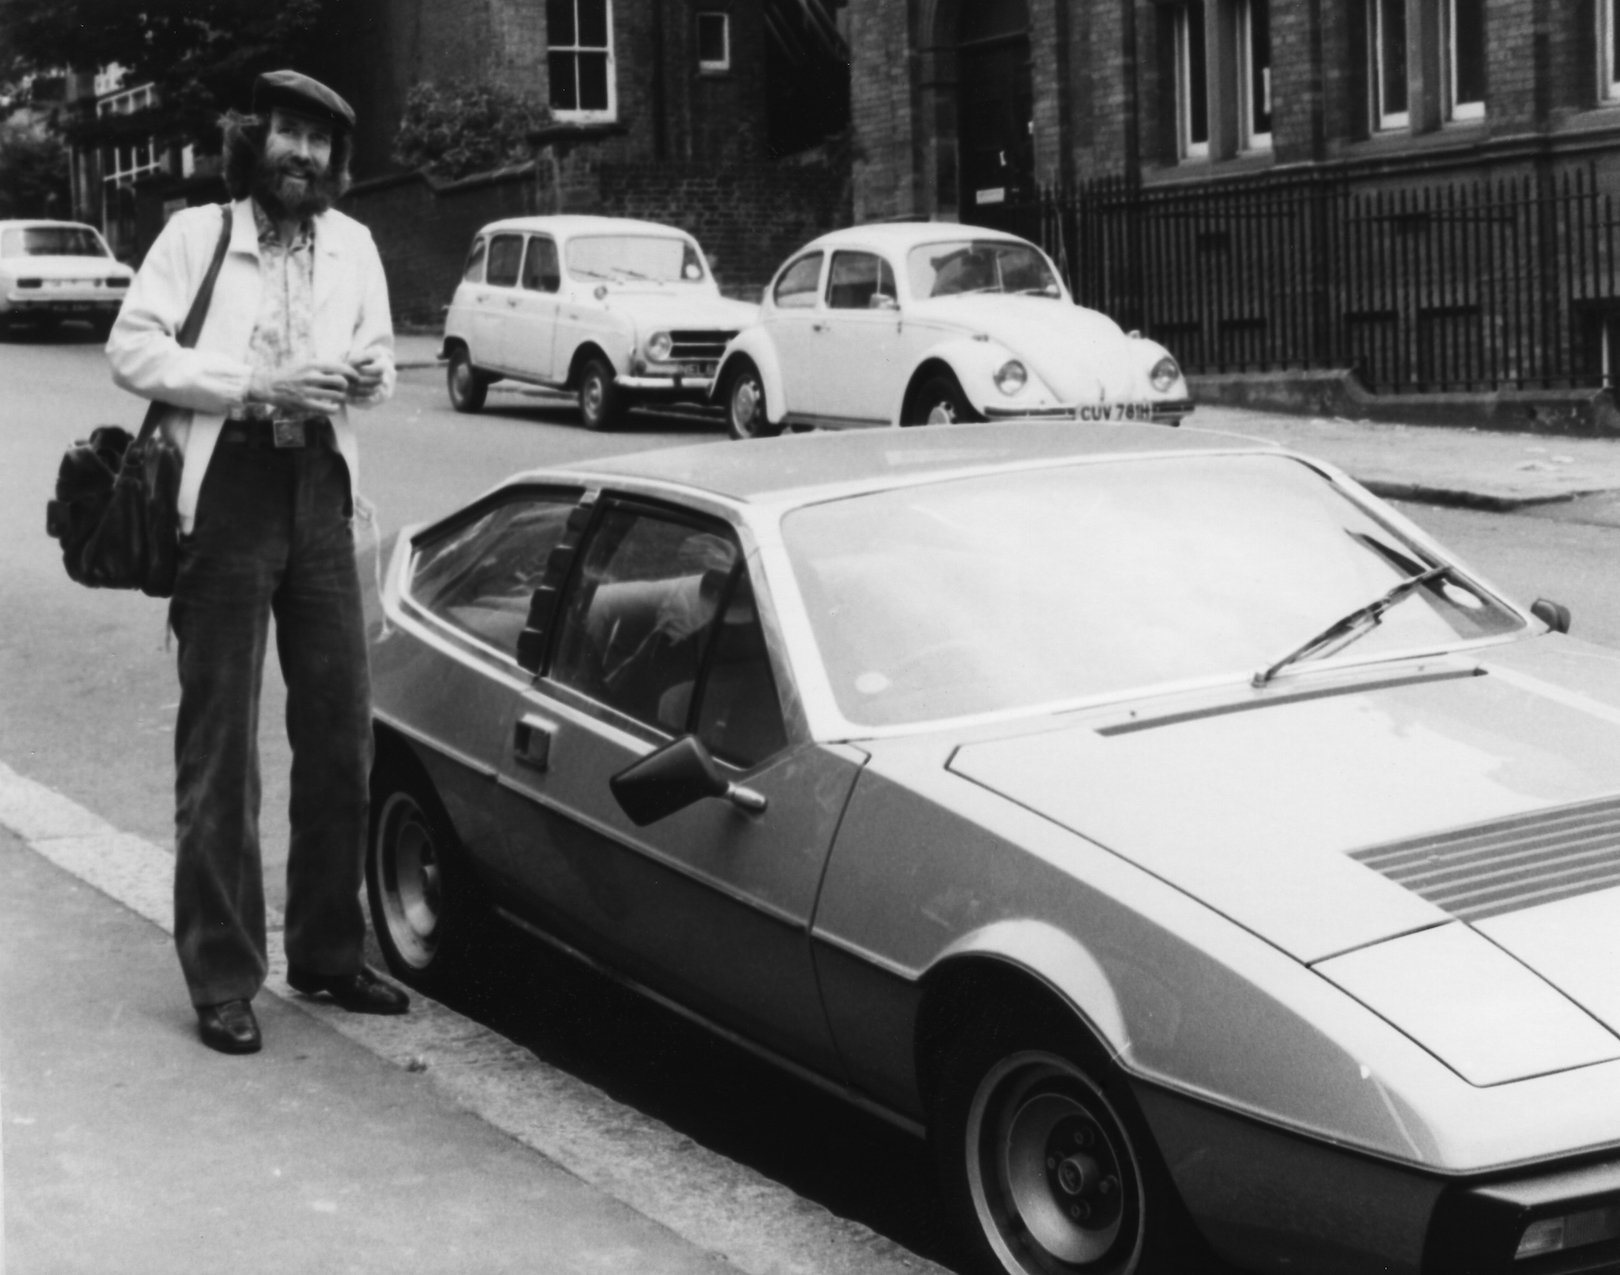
[(616, 310), (56, 270), (917, 323)]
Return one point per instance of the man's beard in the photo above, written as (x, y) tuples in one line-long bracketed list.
[(281, 195)]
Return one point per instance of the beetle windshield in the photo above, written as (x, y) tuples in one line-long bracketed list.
[(961, 266), (639, 258), (987, 594), (52, 241)]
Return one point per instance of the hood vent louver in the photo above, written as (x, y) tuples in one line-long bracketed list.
[(1509, 864)]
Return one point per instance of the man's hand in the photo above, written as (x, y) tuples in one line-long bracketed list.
[(366, 378), (318, 387)]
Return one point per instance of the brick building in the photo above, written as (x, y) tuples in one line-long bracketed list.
[(725, 117), (1287, 160)]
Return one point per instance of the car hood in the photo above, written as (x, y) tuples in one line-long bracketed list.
[(67, 268), (1081, 355), (1335, 816), (654, 309)]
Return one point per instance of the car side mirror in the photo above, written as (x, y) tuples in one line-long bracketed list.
[(1554, 615), (882, 301), (675, 777)]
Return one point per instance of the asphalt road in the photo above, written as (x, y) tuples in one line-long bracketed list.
[(87, 699)]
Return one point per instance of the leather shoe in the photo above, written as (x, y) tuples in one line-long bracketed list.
[(229, 1027), (362, 992)]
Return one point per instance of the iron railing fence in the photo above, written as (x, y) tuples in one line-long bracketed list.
[(1511, 282)]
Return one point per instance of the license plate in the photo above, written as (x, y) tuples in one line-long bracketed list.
[(1114, 412)]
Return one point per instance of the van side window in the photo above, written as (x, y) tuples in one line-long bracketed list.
[(541, 272), (474, 273), (505, 254)]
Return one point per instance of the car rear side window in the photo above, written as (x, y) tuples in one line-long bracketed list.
[(505, 254), (479, 575), (474, 273), (857, 280), (796, 289), (660, 624), (541, 272)]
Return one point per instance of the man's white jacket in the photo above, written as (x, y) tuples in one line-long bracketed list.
[(351, 321)]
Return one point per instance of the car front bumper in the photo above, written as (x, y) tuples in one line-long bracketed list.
[(1163, 412), (55, 307), (678, 384)]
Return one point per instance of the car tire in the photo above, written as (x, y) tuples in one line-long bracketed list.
[(745, 405), (466, 384), (425, 907), (601, 402), (1009, 1097), (940, 401)]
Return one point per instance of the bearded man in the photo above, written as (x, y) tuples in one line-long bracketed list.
[(298, 330)]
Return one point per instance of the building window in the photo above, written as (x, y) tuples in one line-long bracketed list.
[(1465, 58), (714, 41), (1254, 73), (1192, 81), (1608, 44), (579, 44), (1387, 41)]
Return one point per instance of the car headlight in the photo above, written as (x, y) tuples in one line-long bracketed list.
[(1011, 377), (659, 345), (1165, 373)]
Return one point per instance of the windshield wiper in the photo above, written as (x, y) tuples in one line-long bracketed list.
[(1350, 627)]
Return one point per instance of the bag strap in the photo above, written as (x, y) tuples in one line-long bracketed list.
[(192, 327)]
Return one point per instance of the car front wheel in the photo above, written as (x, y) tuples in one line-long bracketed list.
[(745, 405), (940, 401), (1041, 1166), (467, 387), (423, 902), (601, 402)]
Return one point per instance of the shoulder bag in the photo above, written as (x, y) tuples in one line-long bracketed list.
[(116, 511)]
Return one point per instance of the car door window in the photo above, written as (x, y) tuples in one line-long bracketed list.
[(474, 273), (640, 611), (739, 717), (796, 289), (479, 573), (505, 254), (857, 280), (540, 268)]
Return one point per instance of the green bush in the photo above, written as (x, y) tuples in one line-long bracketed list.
[(454, 132)]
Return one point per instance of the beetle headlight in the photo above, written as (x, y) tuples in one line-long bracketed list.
[(659, 346), (1011, 377), (1165, 373)]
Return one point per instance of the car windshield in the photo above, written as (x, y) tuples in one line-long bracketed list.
[(960, 266), (644, 258), (51, 241), (996, 593)]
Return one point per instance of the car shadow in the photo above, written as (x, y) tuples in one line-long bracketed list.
[(66, 332)]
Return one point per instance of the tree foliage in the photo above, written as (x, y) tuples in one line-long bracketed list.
[(453, 132), (33, 172), (203, 55)]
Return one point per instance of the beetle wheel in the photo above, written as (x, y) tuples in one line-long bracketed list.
[(745, 405), (423, 903), (940, 401), (466, 384), (601, 402)]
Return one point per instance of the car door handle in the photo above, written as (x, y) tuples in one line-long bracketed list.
[(531, 741)]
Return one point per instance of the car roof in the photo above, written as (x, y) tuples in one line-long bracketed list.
[(581, 224), (905, 234), (31, 223), (780, 470)]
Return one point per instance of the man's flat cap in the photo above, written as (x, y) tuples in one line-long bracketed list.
[(292, 91)]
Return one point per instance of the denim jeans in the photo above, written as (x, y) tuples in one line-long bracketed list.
[(272, 537)]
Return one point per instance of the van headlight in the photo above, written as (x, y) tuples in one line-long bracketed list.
[(659, 345), (1011, 377), (1165, 373)]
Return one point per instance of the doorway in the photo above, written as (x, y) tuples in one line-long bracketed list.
[(995, 104)]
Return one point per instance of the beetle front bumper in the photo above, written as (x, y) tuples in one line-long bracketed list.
[(1164, 412)]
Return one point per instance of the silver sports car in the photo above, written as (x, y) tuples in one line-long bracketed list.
[(1201, 856)]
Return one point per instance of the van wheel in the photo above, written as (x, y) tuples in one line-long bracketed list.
[(601, 402), (466, 384)]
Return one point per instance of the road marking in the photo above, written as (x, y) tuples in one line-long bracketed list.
[(723, 1207)]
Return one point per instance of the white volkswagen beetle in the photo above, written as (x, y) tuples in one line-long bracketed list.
[(617, 310), (927, 322)]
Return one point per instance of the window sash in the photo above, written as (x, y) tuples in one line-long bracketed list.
[(1192, 81), (1608, 44), (1391, 105), (714, 41), (1254, 73), (1465, 59), (580, 60)]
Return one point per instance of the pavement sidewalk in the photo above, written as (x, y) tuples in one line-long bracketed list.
[(1474, 468)]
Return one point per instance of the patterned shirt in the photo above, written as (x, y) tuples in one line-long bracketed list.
[(284, 333)]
